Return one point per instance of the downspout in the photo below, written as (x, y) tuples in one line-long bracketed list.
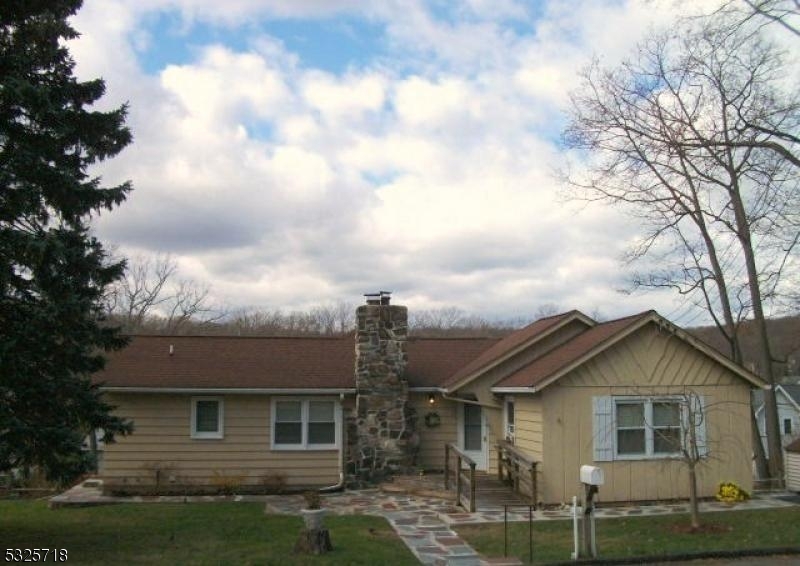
[(340, 485)]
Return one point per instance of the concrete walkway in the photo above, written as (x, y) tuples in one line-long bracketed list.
[(425, 524)]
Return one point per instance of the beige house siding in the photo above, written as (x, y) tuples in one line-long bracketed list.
[(648, 363), (161, 448), (433, 439), (528, 435), (528, 425), (494, 433)]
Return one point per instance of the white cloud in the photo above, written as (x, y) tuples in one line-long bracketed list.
[(425, 169), (345, 99)]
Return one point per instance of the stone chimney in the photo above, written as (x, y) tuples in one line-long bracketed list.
[(383, 435)]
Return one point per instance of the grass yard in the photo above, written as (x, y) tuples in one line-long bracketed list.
[(643, 536), (197, 533)]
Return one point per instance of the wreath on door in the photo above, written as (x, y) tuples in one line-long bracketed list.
[(432, 420)]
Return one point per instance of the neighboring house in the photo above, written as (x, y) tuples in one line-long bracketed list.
[(306, 411), (787, 396), (793, 466)]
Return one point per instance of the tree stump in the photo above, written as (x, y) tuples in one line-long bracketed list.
[(313, 541)]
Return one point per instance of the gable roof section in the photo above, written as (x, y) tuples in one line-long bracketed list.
[(582, 348), (231, 362), (790, 391), (512, 344), (251, 363)]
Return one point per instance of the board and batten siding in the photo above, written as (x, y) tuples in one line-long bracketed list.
[(161, 448), (650, 362)]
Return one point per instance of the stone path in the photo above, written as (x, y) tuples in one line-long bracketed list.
[(425, 524)]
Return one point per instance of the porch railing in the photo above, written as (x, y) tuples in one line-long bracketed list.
[(516, 468), (462, 476)]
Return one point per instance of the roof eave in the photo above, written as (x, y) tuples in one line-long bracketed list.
[(576, 315), (232, 390), (512, 390), (653, 316)]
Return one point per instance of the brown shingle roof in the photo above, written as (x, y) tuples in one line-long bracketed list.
[(509, 343), (232, 361), (432, 360), (569, 352), (271, 362)]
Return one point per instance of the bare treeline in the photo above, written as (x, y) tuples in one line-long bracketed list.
[(152, 298)]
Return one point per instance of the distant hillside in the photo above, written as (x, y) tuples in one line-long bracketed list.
[(785, 339)]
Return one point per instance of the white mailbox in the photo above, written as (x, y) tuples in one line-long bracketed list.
[(592, 475)]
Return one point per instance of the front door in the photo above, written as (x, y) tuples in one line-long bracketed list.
[(472, 434)]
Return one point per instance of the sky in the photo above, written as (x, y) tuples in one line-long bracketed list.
[(291, 153)]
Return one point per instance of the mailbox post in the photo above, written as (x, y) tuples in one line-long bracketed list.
[(591, 478)]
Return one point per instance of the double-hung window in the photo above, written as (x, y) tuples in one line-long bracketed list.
[(207, 417), (648, 427), (633, 428), (305, 424)]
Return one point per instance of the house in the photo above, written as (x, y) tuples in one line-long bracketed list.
[(787, 395), (793, 466), (310, 411)]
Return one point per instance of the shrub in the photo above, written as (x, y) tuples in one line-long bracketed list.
[(729, 492)]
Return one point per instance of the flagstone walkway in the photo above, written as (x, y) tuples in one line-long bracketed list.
[(425, 524)]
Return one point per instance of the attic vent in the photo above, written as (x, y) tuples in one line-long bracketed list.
[(379, 298)]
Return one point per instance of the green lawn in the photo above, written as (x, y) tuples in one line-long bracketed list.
[(644, 536), (197, 533)]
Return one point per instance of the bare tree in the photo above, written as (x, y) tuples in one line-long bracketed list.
[(693, 449), (336, 318), (152, 297), (784, 13), (682, 134)]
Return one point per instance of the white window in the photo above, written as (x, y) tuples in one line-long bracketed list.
[(647, 427), (509, 420), (305, 424), (635, 428), (207, 417), (787, 426)]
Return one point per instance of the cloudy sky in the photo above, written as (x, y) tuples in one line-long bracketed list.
[(298, 152)]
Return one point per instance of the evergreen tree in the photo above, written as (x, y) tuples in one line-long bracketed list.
[(53, 272)]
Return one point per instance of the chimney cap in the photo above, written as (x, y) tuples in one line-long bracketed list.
[(379, 298)]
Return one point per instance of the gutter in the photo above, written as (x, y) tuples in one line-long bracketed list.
[(462, 400), (512, 390), (230, 390)]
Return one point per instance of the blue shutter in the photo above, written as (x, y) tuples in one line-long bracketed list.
[(603, 416)]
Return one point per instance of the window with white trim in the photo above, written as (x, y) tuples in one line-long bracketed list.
[(207, 417), (634, 427), (648, 427), (305, 424), (509, 420)]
